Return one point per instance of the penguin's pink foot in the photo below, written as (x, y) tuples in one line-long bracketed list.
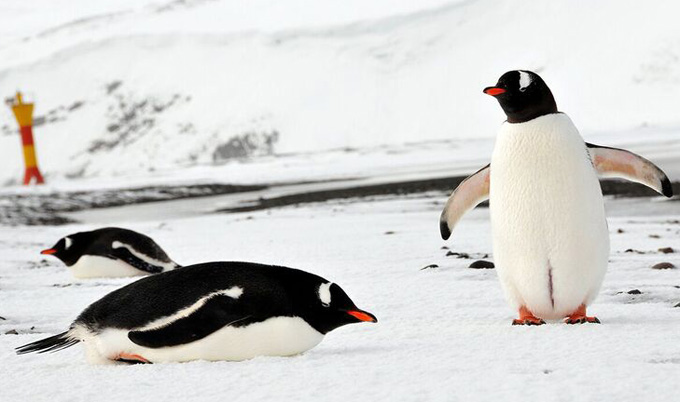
[(131, 358), (579, 317), (526, 317)]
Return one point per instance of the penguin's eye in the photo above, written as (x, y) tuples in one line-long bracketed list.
[(325, 294)]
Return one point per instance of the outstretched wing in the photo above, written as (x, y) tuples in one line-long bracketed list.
[(213, 314), (469, 193), (614, 162)]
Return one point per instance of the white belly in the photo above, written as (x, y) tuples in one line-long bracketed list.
[(550, 237), (278, 336), (91, 266)]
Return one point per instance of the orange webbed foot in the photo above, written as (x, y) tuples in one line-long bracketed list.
[(131, 358), (527, 318), (579, 317)]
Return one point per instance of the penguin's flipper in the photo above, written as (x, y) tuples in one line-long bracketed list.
[(124, 254), (469, 193), (217, 312), (614, 162)]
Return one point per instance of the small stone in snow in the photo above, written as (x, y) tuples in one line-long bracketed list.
[(654, 236), (458, 255), (663, 265), (677, 305), (444, 248), (666, 250), (12, 332), (634, 292), (429, 267), (481, 264), (619, 230), (389, 232)]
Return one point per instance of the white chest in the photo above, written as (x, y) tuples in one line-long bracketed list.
[(542, 177), (91, 266)]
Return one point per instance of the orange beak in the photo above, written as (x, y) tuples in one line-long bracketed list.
[(48, 251), (493, 91), (362, 316)]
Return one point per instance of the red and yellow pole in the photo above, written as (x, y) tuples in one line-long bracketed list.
[(24, 115)]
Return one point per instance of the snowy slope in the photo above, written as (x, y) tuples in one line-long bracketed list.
[(130, 87)]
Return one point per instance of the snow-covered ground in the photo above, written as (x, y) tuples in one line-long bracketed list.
[(303, 95), (443, 333), (131, 87)]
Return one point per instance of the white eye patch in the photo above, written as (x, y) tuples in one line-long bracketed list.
[(68, 242), (325, 294), (524, 80)]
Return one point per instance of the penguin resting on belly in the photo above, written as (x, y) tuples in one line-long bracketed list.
[(549, 230), (213, 311)]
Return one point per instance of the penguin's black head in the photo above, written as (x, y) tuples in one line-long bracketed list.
[(523, 95), (328, 307), (68, 249)]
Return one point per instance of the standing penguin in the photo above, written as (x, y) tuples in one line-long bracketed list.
[(550, 236), (111, 252), (211, 311)]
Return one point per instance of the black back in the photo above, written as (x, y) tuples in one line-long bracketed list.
[(99, 242), (522, 103), (268, 291)]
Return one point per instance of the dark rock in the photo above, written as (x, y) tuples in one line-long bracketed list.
[(619, 230), (481, 264), (663, 265), (431, 266), (389, 232), (666, 250), (12, 332), (75, 106), (677, 305), (444, 248), (634, 292), (654, 236), (3, 318), (112, 86), (458, 255), (245, 145)]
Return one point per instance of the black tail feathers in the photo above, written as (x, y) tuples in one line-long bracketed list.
[(51, 344)]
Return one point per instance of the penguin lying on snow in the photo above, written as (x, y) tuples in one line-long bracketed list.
[(550, 236), (212, 311), (111, 252)]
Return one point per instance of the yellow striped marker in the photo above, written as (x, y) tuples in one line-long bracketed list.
[(24, 115)]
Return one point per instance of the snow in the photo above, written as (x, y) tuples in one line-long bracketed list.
[(442, 334), (306, 96), (129, 88)]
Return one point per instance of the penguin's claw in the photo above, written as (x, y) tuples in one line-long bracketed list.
[(528, 321), (579, 317), (526, 317), (582, 320)]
